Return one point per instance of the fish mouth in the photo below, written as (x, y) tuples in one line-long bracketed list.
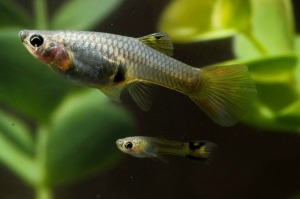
[(119, 143), (23, 34)]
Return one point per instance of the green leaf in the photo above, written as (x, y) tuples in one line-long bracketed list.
[(40, 14), (185, 20), (82, 14), (26, 85), (272, 30), (82, 135), (291, 115), (297, 44), (191, 20), (273, 69), (16, 132), (277, 96), (276, 92), (260, 115), (247, 47), (17, 160), (274, 76), (263, 117), (233, 15), (297, 72), (13, 15)]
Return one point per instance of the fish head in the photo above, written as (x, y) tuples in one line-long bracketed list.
[(132, 146), (47, 47)]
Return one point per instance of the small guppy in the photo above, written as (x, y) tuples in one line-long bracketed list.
[(111, 62), (151, 147)]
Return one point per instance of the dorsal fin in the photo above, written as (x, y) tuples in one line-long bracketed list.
[(141, 93), (160, 42)]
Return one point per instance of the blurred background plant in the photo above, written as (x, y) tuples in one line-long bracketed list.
[(263, 37), (53, 133), (57, 133)]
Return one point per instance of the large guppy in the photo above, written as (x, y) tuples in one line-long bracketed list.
[(111, 62)]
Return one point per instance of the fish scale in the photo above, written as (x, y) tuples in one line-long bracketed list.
[(153, 71), (111, 62), (153, 147)]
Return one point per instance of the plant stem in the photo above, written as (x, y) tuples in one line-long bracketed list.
[(43, 193), (42, 189), (255, 42), (40, 8), (18, 161)]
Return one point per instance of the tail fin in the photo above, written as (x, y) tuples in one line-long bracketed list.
[(225, 93), (201, 150)]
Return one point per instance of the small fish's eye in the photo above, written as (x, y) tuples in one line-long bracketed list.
[(128, 145), (36, 40)]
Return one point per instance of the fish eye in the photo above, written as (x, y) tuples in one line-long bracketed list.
[(36, 40), (128, 145)]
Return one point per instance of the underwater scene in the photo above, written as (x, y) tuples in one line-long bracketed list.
[(150, 99)]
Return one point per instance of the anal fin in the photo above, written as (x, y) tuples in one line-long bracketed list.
[(155, 156), (141, 93)]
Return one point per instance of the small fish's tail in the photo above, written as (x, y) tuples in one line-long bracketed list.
[(225, 92), (201, 150)]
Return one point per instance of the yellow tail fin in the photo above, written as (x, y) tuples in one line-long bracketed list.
[(201, 150), (225, 93)]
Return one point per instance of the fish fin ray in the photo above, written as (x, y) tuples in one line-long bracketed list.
[(156, 156), (141, 93), (160, 42), (112, 93), (202, 150), (225, 93)]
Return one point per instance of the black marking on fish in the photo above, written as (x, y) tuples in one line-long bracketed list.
[(195, 158), (158, 36), (120, 76), (196, 145)]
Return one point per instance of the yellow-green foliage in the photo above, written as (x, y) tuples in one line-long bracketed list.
[(263, 38), (52, 132)]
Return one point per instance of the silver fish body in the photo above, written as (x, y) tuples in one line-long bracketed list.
[(101, 59), (111, 62)]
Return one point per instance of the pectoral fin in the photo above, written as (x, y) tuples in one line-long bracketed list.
[(160, 42), (141, 93), (112, 92)]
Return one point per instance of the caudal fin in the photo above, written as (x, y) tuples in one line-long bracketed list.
[(201, 150), (225, 93)]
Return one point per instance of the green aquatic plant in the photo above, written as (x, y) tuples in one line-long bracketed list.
[(263, 38), (52, 132), (295, 197)]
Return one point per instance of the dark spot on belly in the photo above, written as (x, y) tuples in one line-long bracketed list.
[(120, 76), (196, 145)]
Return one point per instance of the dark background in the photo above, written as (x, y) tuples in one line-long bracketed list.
[(250, 163)]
